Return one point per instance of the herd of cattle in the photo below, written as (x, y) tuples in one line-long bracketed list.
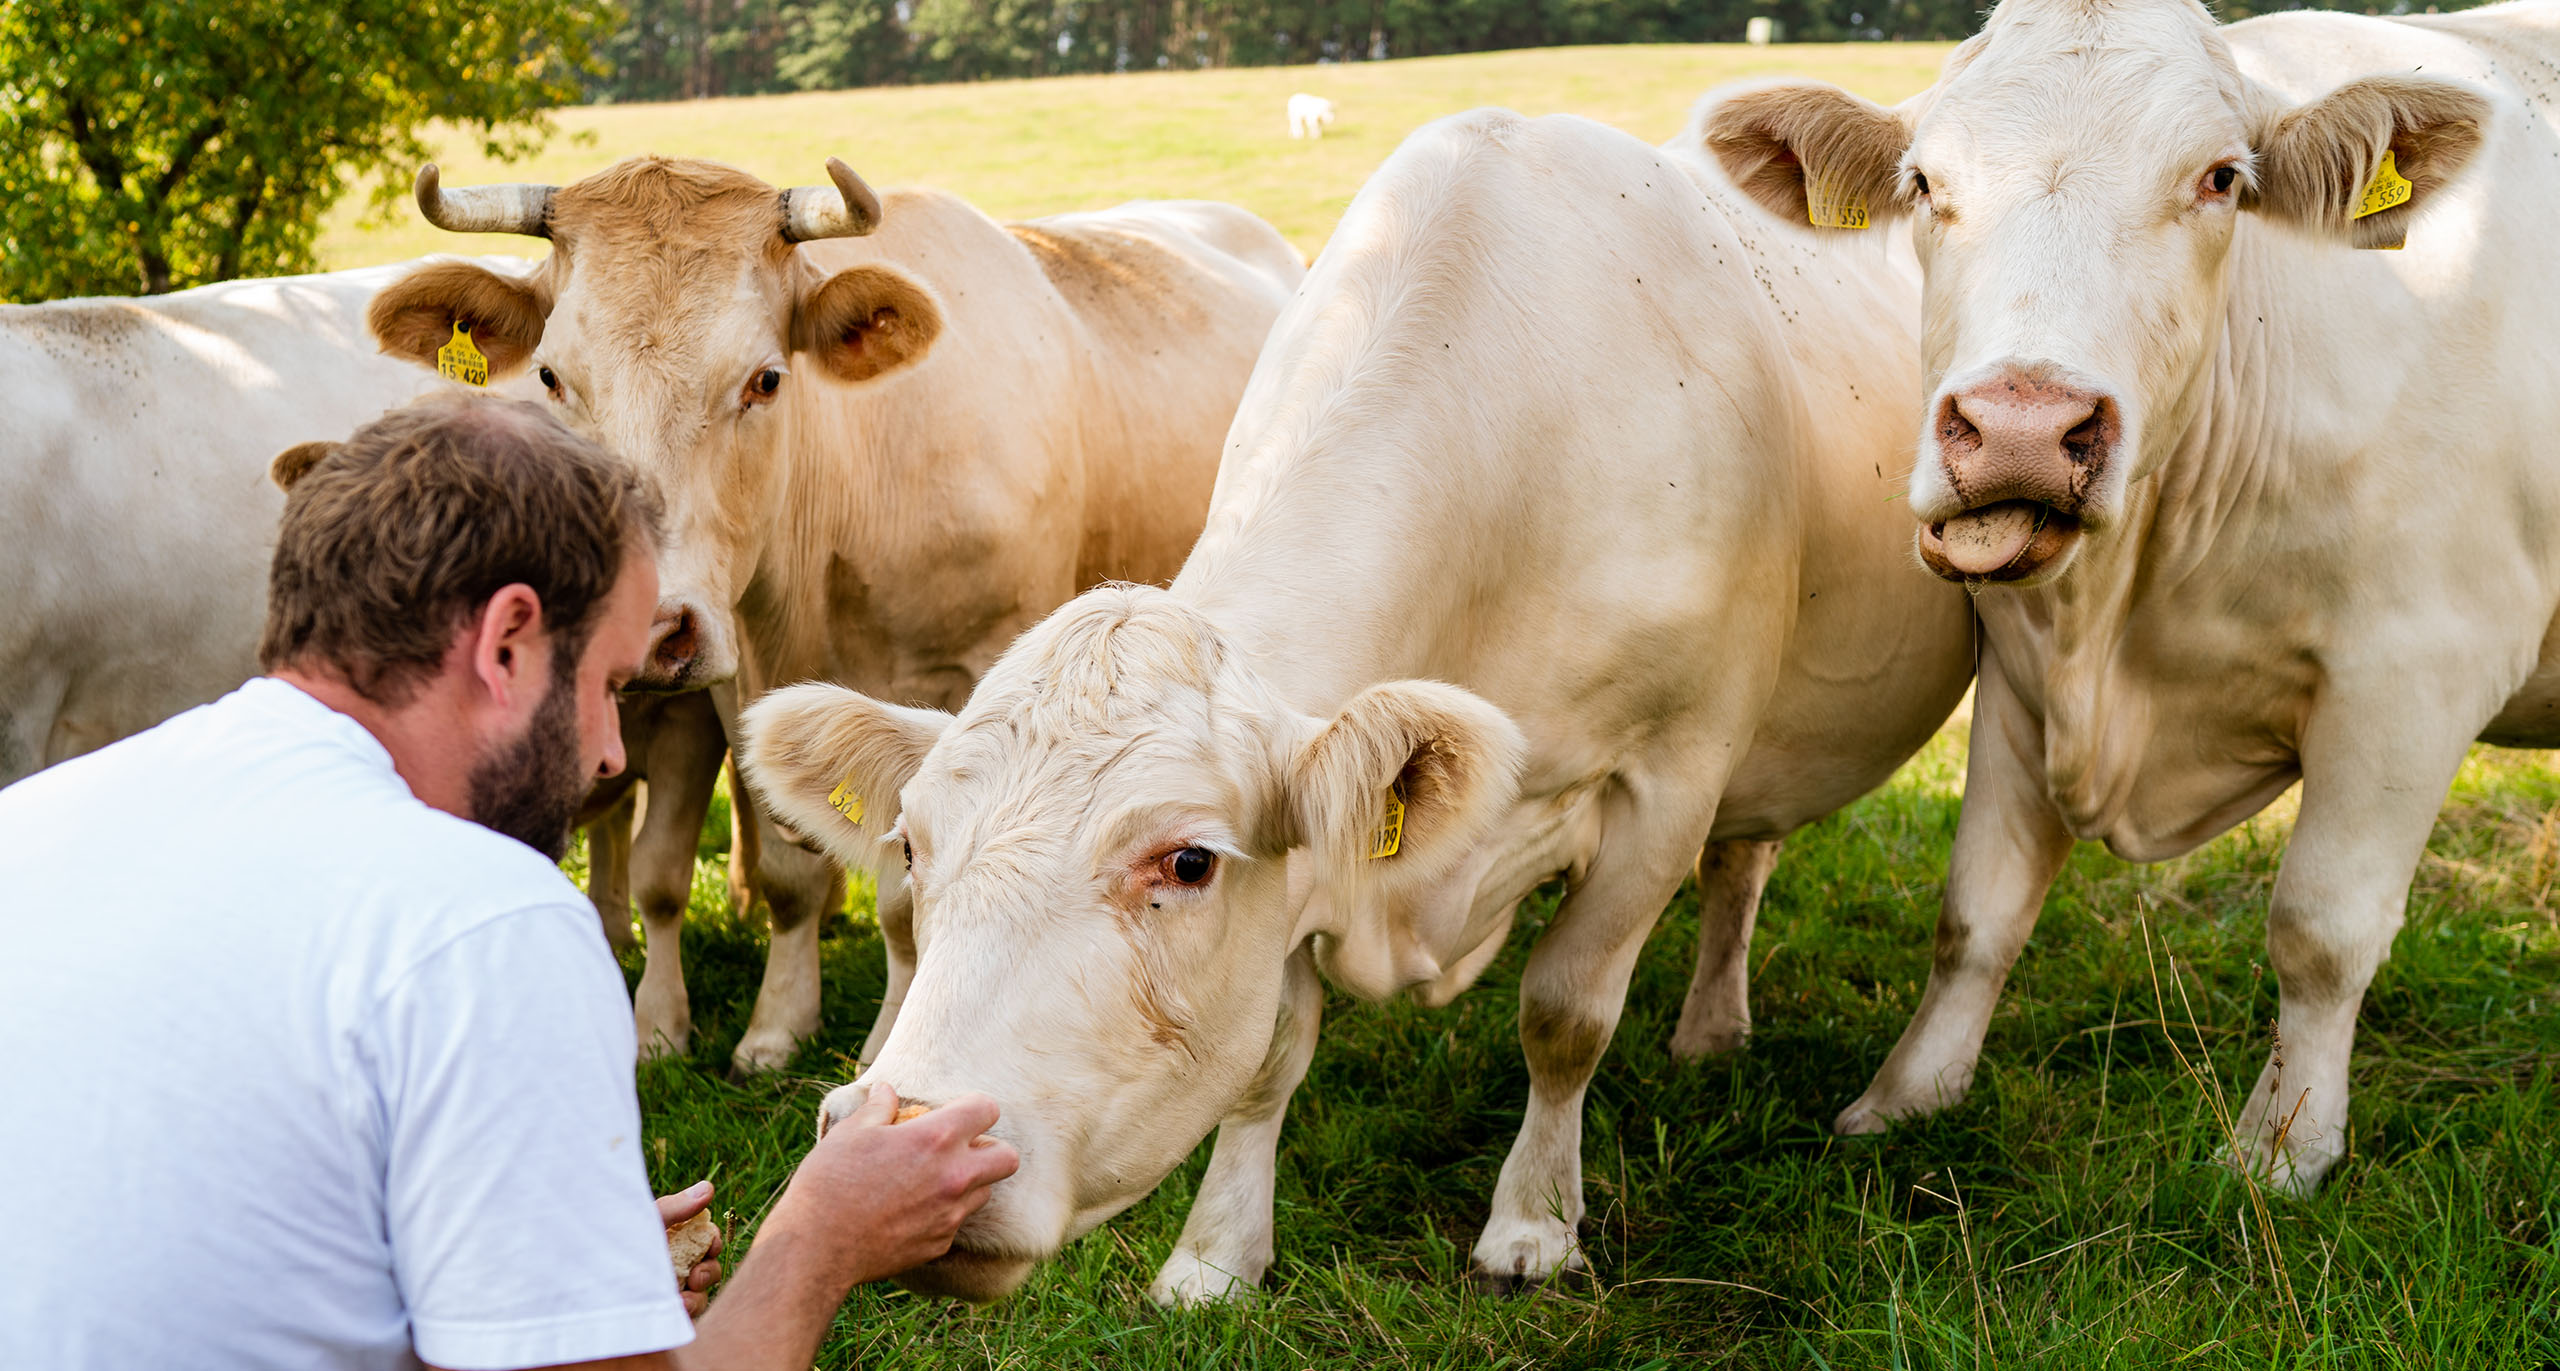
[(1173, 628)]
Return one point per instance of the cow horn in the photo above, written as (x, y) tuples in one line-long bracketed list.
[(846, 209), (510, 207)]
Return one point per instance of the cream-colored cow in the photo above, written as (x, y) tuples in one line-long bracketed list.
[(1554, 535), (884, 453), (2252, 505)]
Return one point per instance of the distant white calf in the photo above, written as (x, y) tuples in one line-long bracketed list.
[(1308, 114)]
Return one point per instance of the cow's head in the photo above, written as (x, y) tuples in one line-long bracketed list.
[(667, 323), (1101, 847), (2075, 179)]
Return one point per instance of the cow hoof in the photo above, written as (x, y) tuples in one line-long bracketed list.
[(1525, 1260), (1721, 1040), (658, 1044), (2293, 1172), (1189, 1281), (760, 1057), (1860, 1119)]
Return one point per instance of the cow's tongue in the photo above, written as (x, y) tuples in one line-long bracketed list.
[(1981, 541)]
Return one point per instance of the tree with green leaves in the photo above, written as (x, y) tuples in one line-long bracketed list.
[(147, 146)]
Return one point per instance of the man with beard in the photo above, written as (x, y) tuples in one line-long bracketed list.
[(309, 1056)]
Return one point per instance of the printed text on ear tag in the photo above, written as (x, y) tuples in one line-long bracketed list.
[(2387, 189), (1832, 207), (460, 360), (1389, 834), (845, 801)]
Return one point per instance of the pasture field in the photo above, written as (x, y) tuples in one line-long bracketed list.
[(1019, 149), (2070, 1214)]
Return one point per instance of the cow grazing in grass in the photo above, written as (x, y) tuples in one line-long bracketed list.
[(1308, 115), (1554, 537), (884, 453), (134, 488), (2249, 503)]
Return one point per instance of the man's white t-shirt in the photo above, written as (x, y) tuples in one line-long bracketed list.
[(296, 1071)]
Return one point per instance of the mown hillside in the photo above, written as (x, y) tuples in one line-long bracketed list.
[(1024, 148)]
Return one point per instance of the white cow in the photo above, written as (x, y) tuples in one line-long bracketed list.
[(1308, 114), (133, 484), (2256, 506), (1557, 419)]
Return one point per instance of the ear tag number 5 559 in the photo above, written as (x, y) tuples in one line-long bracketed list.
[(461, 360)]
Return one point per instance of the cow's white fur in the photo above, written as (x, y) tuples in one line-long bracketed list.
[(1557, 418), (2326, 553), (133, 481), (1040, 415), (1308, 115)]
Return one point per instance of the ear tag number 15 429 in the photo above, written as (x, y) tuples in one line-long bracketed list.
[(461, 360)]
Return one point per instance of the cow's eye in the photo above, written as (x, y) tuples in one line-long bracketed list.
[(2221, 179), (908, 850), (1189, 865), (761, 387), (1919, 183), (550, 380), (768, 380)]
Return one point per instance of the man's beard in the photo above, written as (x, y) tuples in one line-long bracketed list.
[(530, 789)]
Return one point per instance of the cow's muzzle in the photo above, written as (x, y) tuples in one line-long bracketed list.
[(2022, 454)]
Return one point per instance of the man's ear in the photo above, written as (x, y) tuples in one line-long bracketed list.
[(1404, 782), (414, 316), (2319, 164), (830, 763), (295, 462), (866, 321), (1811, 153)]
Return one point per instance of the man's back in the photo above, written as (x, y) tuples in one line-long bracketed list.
[(304, 1069)]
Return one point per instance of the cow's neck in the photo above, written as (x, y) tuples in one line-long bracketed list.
[(2194, 534), (1341, 564)]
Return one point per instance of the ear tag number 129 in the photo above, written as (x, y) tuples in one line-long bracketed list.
[(462, 361), (1389, 834)]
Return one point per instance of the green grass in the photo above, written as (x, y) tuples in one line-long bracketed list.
[(2067, 1215), (1018, 149)]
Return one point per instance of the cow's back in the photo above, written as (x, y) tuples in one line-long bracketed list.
[(133, 482), (1174, 298)]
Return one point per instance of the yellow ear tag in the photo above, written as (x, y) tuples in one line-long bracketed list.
[(1389, 834), (1828, 207), (2387, 190), (460, 360), (845, 801)]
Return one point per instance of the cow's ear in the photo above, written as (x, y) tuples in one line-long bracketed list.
[(2320, 165), (829, 763), (414, 317), (1811, 153), (295, 462), (1402, 783), (866, 321)]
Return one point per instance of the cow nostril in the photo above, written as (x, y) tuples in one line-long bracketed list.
[(2087, 439), (1957, 434), (679, 643)]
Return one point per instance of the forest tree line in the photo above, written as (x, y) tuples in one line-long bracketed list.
[(688, 49)]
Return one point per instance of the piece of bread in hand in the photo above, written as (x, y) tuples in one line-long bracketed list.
[(689, 1242)]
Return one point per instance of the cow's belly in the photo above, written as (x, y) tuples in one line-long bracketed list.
[(2531, 716)]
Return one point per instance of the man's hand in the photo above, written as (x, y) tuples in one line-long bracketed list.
[(887, 1196), (675, 1209)]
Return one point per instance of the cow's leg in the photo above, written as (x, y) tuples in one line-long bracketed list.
[(609, 868), (2372, 783), (895, 907), (2010, 844), (1571, 994), (800, 889), (684, 764), (1226, 1241), (1716, 1017), (742, 846)]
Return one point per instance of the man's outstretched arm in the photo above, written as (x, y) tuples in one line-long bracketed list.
[(870, 1200)]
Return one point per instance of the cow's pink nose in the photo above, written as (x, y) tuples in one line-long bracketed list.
[(2015, 437), (679, 641)]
